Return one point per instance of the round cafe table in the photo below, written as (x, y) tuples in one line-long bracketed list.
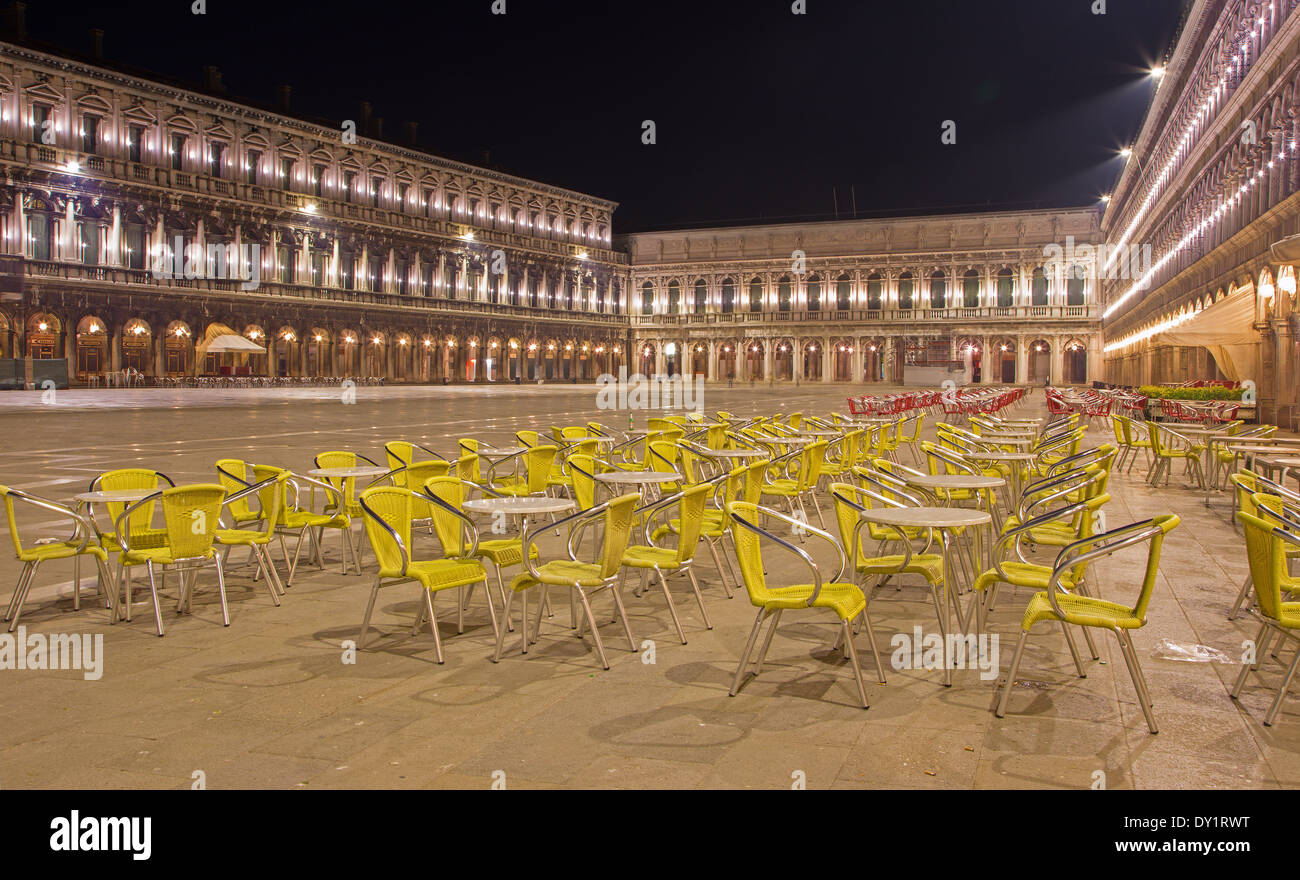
[(943, 520), (1016, 459), (522, 507), (87, 501), (644, 480), (733, 453), (346, 473)]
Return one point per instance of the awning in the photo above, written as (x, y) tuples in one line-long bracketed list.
[(233, 343), (1227, 330), (220, 338)]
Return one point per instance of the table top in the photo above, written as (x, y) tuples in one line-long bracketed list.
[(117, 495), (954, 481), (519, 505), (1284, 462), (999, 456), (931, 517), (638, 477), (507, 451), (733, 453), (1250, 449), (342, 473)]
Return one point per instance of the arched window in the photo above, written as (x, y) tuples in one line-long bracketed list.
[(1038, 290), (1074, 286), (674, 298), (938, 291), (647, 299), (844, 293), (756, 295), (875, 291), (905, 290), (784, 293), (971, 289), (1006, 289), (814, 294), (701, 296), (728, 296)]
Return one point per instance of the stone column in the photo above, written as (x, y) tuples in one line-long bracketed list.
[(1057, 371), (1022, 361), (826, 360)]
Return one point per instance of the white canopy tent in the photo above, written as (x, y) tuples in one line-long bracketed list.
[(229, 342), (1227, 330)]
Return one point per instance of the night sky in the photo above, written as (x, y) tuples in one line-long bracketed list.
[(760, 113)]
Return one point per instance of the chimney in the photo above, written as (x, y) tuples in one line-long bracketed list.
[(284, 92), (16, 20), (412, 136), (363, 124), (212, 79), (379, 128), (97, 43)]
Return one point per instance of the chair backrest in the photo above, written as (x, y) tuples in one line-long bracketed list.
[(755, 477), (131, 478), (527, 438), (691, 510), (538, 461), (467, 467), (388, 511), (749, 553), (582, 470), (232, 473), (618, 528), (400, 453), (340, 459), (1121, 433), (1266, 553), (191, 515), (447, 527), (810, 464), (663, 456), (420, 472), (271, 496), (266, 495)]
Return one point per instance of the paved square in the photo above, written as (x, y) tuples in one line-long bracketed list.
[(269, 702)]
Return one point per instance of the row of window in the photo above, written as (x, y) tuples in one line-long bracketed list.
[(842, 290), (91, 240), (351, 186)]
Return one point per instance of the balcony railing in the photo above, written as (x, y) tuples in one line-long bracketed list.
[(915, 316), (143, 281)]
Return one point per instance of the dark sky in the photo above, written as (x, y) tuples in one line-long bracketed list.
[(760, 113)]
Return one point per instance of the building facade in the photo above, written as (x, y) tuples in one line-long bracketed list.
[(1011, 295), (134, 215), (1211, 185)]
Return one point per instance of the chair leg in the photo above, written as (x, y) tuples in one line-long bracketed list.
[(501, 633), (1246, 667), (695, 584), (365, 621), (595, 632), (1242, 595), (622, 613), (875, 650), (767, 642), (722, 574), (1281, 691), (672, 607), (433, 625), (221, 588), (749, 649), (1001, 710), (852, 651), (1074, 651), (20, 593), (1139, 680), (153, 588)]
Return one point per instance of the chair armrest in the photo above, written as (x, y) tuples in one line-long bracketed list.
[(122, 524)]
